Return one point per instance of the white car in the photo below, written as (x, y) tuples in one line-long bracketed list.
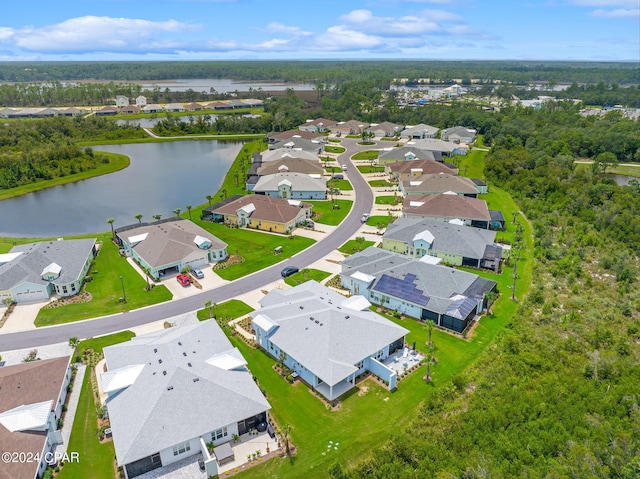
[(344, 167), (364, 217)]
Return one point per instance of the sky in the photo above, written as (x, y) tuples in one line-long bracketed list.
[(94, 30)]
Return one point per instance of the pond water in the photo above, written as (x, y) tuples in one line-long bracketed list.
[(160, 178), (224, 85), (621, 180)]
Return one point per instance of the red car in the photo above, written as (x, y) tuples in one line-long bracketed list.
[(183, 279)]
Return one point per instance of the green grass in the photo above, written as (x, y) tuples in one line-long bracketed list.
[(325, 213), (234, 308), (366, 155), (106, 289), (101, 342), (255, 247), (353, 246), (388, 200), (343, 185), (379, 183), (370, 169), (334, 149), (377, 220), (306, 274), (117, 162)]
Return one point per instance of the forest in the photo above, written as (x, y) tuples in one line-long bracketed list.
[(556, 395)]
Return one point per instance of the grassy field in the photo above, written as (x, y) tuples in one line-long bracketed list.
[(370, 169), (106, 290), (117, 162), (98, 344), (353, 246), (334, 149), (306, 274), (388, 200), (232, 309), (343, 185), (325, 213), (378, 220), (379, 183), (366, 155)]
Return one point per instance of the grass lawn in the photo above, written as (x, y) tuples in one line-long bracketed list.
[(379, 183), (388, 200), (106, 289), (366, 155), (334, 149), (343, 185), (96, 459), (370, 169), (254, 246), (99, 343), (306, 274), (323, 211), (354, 246), (378, 220), (232, 309)]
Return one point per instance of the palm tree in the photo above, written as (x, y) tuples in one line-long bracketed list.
[(430, 350), (146, 274), (139, 217), (73, 344), (429, 326), (157, 217), (223, 193), (189, 210), (209, 199), (208, 304), (177, 211), (286, 430), (113, 233)]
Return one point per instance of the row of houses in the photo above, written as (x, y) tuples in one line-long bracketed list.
[(221, 105)]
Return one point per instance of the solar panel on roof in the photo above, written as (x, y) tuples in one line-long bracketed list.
[(402, 288)]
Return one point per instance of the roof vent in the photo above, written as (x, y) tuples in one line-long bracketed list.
[(155, 350), (159, 361), (164, 373), (183, 353), (195, 380), (170, 388), (346, 317), (179, 343), (317, 322), (301, 307), (189, 364)]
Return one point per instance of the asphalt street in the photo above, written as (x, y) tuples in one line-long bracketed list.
[(108, 324)]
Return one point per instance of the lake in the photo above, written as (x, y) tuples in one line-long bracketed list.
[(621, 180), (160, 178), (223, 85)]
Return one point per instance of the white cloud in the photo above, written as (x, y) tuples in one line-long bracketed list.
[(341, 38), (605, 3), (91, 33), (618, 13), (425, 22), (276, 27)]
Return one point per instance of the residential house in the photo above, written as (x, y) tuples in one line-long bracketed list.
[(326, 339), (265, 213), (443, 147), (153, 108), (447, 207), (407, 153), (449, 297), (319, 125), (130, 109), (141, 101), (194, 107), (288, 185), (107, 111), (171, 392), (385, 129), (454, 244), (351, 127), (438, 183), (404, 170), (121, 101), (252, 103), (288, 134), (170, 245), (419, 132), (481, 186), (281, 153), (174, 107), (459, 134), (31, 399), (294, 165), (35, 271), (311, 146), (71, 111), (220, 105)]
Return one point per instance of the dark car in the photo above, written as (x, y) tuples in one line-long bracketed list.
[(288, 271)]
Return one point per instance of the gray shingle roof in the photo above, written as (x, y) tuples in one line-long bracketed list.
[(71, 255), (177, 396), (399, 154), (462, 240), (330, 344), (439, 183), (448, 206), (440, 283), (299, 182)]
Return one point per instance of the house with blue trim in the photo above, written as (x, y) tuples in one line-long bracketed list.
[(449, 297), (326, 339)]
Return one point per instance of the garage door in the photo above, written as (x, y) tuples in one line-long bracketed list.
[(30, 296)]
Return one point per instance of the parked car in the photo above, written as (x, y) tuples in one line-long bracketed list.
[(288, 271), (183, 279), (344, 167), (338, 176), (197, 273), (364, 217)]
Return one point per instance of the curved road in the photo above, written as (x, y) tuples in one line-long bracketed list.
[(108, 324)]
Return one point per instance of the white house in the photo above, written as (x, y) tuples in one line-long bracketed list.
[(121, 101), (328, 340), (291, 185), (141, 101), (171, 392), (35, 271), (169, 246), (31, 399)]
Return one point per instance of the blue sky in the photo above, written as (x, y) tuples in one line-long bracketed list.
[(596, 30)]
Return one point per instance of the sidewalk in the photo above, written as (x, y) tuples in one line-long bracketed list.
[(70, 415)]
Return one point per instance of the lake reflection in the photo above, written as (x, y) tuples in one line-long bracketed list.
[(161, 178)]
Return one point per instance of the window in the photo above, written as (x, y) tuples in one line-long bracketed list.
[(181, 448), (219, 434), (359, 364)]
